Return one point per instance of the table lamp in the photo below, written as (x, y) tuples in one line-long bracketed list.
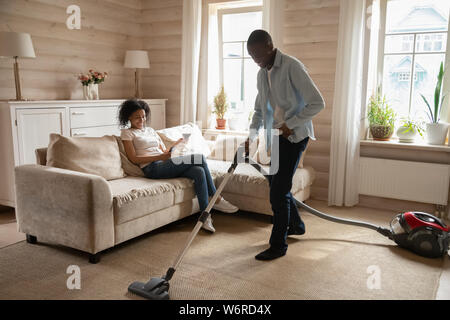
[(136, 59), (16, 45)]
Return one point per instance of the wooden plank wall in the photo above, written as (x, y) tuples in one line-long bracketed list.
[(311, 34), (162, 37), (108, 29)]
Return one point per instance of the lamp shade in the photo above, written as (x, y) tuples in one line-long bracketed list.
[(16, 44), (136, 59)]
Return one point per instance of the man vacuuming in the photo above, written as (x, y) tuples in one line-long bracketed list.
[(287, 101)]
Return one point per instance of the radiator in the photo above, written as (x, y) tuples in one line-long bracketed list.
[(404, 180)]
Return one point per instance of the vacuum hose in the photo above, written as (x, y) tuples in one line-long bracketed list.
[(385, 232)]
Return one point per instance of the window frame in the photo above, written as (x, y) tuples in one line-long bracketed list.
[(220, 13), (381, 55)]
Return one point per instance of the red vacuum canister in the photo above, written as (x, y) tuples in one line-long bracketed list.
[(422, 233)]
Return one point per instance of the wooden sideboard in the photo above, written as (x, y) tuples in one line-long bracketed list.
[(26, 126)]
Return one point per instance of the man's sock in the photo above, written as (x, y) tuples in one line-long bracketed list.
[(270, 254)]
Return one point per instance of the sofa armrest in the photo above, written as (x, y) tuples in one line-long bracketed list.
[(63, 206)]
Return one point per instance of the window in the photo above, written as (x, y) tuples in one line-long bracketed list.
[(414, 37), (238, 71)]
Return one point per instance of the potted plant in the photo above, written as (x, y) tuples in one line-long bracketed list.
[(436, 131), (381, 117), (409, 129), (220, 108)]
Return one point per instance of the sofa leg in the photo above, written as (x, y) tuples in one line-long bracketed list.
[(94, 258), (31, 239)]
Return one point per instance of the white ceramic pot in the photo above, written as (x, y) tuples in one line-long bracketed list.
[(436, 133), (406, 135)]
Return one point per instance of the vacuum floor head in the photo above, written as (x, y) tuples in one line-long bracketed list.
[(155, 289)]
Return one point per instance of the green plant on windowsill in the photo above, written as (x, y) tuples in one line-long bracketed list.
[(436, 131), (409, 129), (434, 114), (381, 117), (220, 108)]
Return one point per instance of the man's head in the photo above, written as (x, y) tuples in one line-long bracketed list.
[(260, 48)]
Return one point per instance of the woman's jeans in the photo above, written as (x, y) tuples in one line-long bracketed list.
[(193, 167), (285, 213)]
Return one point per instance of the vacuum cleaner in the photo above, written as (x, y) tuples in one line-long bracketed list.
[(419, 232)]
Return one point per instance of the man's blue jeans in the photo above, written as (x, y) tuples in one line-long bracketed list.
[(285, 213), (193, 167)]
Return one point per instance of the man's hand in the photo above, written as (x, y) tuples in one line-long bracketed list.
[(247, 147), (285, 131)]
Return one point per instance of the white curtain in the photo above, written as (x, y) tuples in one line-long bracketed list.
[(192, 23), (273, 18), (346, 117)]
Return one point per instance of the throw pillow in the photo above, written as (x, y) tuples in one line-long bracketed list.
[(196, 143), (129, 167), (99, 156)]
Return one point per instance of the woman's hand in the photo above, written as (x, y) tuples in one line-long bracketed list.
[(166, 155), (175, 144), (178, 142), (163, 149)]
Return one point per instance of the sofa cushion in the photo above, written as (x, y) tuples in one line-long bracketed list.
[(246, 180), (128, 167), (99, 156), (41, 156), (135, 197)]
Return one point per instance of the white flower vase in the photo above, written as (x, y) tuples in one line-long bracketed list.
[(436, 133), (87, 93), (93, 88)]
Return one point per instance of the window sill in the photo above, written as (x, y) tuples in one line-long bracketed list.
[(395, 144), (225, 131)]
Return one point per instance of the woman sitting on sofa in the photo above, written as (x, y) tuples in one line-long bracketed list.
[(145, 148)]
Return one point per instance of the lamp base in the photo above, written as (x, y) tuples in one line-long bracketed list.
[(137, 85)]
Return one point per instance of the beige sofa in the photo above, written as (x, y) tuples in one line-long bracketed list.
[(89, 213)]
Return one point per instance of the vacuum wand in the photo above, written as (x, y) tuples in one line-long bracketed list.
[(158, 288), (203, 217)]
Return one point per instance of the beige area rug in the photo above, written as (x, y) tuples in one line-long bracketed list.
[(330, 261)]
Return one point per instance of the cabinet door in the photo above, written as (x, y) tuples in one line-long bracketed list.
[(158, 116), (33, 130)]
